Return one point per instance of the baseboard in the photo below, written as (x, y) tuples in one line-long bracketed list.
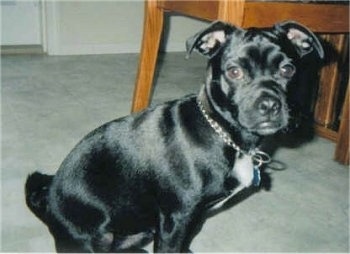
[(95, 49), (85, 49), (21, 49), (175, 47)]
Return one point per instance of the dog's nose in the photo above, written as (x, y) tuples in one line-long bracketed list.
[(269, 106)]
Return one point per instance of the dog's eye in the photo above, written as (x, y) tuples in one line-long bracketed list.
[(287, 71), (235, 72)]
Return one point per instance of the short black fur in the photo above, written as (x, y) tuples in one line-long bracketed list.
[(153, 175)]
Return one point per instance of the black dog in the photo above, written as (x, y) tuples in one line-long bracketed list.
[(149, 176)]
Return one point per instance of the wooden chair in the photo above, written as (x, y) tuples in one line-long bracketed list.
[(319, 17)]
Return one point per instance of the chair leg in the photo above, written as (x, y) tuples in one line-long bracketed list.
[(342, 147), (152, 30)]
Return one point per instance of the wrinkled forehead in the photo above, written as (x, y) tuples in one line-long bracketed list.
[(256, 50)]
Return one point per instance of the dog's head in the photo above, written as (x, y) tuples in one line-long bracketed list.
[(250, 71)]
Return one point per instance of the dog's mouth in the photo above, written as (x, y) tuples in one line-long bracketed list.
[(267, 127)]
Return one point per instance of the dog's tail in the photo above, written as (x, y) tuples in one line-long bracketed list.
[(36, 194)]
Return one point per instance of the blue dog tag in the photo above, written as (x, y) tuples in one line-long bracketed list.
[(256, 177)]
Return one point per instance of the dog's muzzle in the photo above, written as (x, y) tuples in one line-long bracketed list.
[(268, 107), (265, 113), (270, 115)]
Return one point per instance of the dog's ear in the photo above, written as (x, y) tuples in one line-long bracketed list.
[(301, 37), (209, 41)]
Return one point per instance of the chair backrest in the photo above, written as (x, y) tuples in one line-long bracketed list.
[(325, 16)]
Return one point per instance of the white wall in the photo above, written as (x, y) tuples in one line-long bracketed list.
[(102, 27), (20, 22), (181, 28)]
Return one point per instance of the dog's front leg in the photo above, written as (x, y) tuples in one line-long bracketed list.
[(172, 232)]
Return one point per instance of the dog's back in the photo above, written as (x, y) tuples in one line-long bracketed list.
[(36, 192)]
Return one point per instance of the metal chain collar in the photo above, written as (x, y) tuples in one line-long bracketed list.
[(259, 157)]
